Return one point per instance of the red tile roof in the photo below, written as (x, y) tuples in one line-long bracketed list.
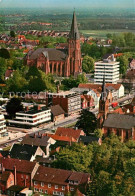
[(51, 175), (60, 176), (119, 111), (21, 165), (62, 138), (98, 87), (69, 132)]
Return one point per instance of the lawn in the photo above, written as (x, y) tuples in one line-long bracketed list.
[(102, 33)]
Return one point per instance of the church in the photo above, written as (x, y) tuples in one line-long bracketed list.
[(121, 124), (60, 62)]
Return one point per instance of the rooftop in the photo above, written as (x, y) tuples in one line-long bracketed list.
[(120, 121)]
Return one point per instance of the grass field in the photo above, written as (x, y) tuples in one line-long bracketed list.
[(102, 33)]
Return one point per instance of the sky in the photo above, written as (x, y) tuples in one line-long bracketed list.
[(68, 3)]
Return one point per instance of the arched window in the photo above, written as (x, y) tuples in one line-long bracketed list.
[(51, 68), (59, 69), (55, 68), (63, 69)]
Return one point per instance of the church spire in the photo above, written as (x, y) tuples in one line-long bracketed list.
[(103, 93), (74, 32)]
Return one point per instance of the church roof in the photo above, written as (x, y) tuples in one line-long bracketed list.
[(51, 53), (74, 33), (120, 121)]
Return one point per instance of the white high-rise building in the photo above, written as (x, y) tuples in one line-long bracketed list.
[(3, 128), (108, 68)]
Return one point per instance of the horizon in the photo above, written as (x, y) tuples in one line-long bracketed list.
[(67, 4)]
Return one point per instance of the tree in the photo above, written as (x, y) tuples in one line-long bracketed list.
[(4, 53), (12, 34), (16, 83), (13, 106), (3, 67), (98, 133), (88, 64), (87, 121), (38, 81), (76, 157), (123, 64)]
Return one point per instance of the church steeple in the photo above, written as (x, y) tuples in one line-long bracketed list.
[(103, 93), (103, 105), (74, 32), (74, 49)]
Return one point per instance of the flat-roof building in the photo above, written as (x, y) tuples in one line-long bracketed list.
[(108, 68), (31, 117), (3, 129)]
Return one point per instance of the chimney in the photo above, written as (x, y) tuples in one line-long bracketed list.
[(15, 175), (58, 88)]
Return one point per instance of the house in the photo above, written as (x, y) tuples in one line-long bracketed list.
[(69, 101), (58, 113), (31, 117), (23, 170), (62, 62), (6, 180), (26, 152), (18, 191), (89, 139), (8, 73), (59, 182), (42, 141), (130, 108), (132, 64), (69, 132), (87, 102), (117, 90)]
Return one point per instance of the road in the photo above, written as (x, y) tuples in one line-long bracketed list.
[(67, 121)]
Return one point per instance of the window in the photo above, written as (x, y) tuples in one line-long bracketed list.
[(27, 176), (63, 188), (46, 191), (56, 186), (36, 190), (21, 176), (76, 182), (49, 185), (35, 182), (62, 194), (41, 190), (42, 184), (71, 189)]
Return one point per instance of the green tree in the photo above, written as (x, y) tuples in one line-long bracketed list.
[(3, 68), (87, 121), (76, 157), (17, 83), (123, 64), (4, 53), (88, 64), (98, 133), (13, 106), (12, 34)]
